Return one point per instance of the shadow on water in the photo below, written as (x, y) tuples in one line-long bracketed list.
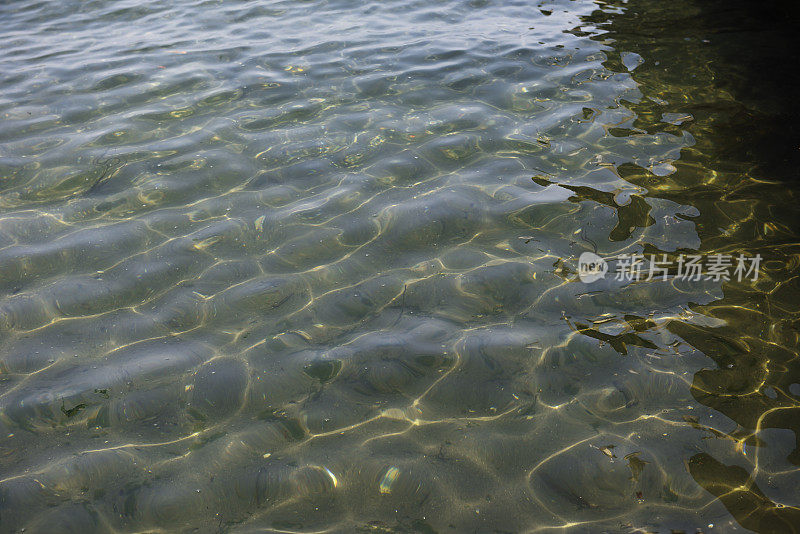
[(727, 68)]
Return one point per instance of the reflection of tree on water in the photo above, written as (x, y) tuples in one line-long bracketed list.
[(749, 369), (739, 175), (748, 504)]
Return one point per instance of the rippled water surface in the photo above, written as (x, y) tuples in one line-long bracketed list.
[(305, 266)]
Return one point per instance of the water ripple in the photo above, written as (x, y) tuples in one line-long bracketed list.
[(309, 266)]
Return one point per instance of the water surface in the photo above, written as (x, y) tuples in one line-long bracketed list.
[(311, 266)]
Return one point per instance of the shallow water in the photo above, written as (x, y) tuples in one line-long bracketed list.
[(311, 266)]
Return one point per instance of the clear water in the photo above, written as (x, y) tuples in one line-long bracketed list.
[(306, 266)]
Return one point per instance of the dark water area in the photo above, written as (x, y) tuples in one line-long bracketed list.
[(749, 139), (762, 37), (313, 266), (748, 49)]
